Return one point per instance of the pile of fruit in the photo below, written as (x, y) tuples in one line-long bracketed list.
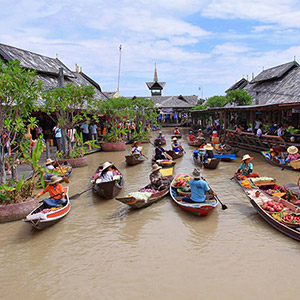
[(63, 170), (291, 219), (246, 184), (272, 206), (182, 181)]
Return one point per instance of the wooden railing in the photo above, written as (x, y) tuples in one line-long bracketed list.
[(250, 141)]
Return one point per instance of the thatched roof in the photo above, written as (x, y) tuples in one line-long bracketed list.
[(238, 85), (175, 101), (48, 69)]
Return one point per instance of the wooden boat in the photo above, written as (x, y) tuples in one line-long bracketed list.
[(155, 197), (199, 209), (290, 230), (67, 174), (163, 142), (110, 189), (211, 163), (178, 136), (276, 162), (163, 162), (174, 154), (41, 217), (133, 159), (195, 143), (227, 150)]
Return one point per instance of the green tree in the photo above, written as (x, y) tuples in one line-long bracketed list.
[(69, 106), (19, 91), (216, 101), (238, 97)]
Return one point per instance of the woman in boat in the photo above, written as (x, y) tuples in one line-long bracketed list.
[(246, 167), (156, 178), (49, 165), (176, 147), (136, 150), (160, 153), (208, 152), (293, 153), (191, 136), (176, 130), (104, 174), (160, 136), (199, 188), (200, 134), (56, 191)]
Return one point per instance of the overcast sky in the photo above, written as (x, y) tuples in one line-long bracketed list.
[(200, 47)]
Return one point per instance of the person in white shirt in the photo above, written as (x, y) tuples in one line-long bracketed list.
[(71, 135), (106, 173), (280, 130), (257, 124), (259, 131)]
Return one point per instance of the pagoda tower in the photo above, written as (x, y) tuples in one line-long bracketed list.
[(155, 87)]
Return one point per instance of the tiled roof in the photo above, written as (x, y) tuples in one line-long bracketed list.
[(175, 101)]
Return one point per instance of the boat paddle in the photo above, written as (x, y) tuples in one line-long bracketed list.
[(79, 194), (223, 205), (66, 180)]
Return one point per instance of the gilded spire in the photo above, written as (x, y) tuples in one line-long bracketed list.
[(155, 74)]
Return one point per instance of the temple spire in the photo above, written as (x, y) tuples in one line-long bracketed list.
[(155, 74)]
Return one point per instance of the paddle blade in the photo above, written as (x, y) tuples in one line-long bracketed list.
[(224, 206), (75, 196)]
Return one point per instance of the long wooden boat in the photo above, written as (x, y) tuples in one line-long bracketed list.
[(275, 162), (211, 163), (178, 136), (110, 189), (164, 163), (155, 197), (195, 143), (67, 174), (174, 154), (274, 219), (132, 160), (42, 217), (199, 209)]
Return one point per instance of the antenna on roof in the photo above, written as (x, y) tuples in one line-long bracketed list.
[(252, 75), (56, 55), (294, 57), (80, 70), (263, 68)]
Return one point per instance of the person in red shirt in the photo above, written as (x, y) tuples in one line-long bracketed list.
[(191, 136), (56, 191)]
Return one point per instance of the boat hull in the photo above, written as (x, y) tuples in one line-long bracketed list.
[(131, 160)]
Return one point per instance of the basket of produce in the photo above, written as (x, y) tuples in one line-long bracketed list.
[(291, 219), (181, 181), (272, 206), (184, 191)]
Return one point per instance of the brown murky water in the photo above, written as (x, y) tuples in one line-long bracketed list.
[(104, 250)]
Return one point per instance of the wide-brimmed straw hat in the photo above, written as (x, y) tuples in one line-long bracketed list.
[(196, 173), (49, 161), (155, 168), (208, 147), (54, 179), (247, 156), (174, 139), (292, 150), (106, 165), (200, 129)]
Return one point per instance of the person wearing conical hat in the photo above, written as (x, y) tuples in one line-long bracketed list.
[(246, 167), (293, 152), (176, 147), (49, 165), (156, 178), (56, 191), (106, 172), (199, 188)]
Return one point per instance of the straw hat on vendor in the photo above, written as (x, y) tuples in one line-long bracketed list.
[(196, 174), (106, 165), (49, 161), (155, 168), (174, 139), (292, 150), (208, 147), (246, 157), (55, 179)]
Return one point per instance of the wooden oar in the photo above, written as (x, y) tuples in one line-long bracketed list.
[(167, 155), (52, 197), (79, 194), (223, 205)]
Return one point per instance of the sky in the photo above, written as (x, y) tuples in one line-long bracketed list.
[(200, 47)]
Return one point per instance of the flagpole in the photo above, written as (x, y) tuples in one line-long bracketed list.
[(120, 48)]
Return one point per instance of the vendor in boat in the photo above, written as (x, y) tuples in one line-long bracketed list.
[(160, 153), (293, 152), (199, 188), (176, 147), (246, 167), (208, 151), (156, 178), (191, 136), (160, 136), (56, 191), (49, 165), (176, 130), (136, 149), (105, 174), (200, 135)]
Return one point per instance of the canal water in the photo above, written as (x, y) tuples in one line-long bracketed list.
[(105, 250)]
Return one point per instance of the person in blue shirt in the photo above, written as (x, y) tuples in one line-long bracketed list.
[(57, 132), (176, 147), (199, 188), (160, 153), (85, 131), (246, 167)]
